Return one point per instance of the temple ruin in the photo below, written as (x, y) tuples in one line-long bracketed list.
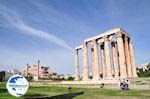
[(111, 54)]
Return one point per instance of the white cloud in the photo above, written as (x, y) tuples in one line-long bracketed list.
[(14, 20)]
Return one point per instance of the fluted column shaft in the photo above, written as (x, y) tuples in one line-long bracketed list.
[(85, 62), (132, 59), (115, 61), (103, 61), (92, 60), (76, 65), (122, 61), (127, 54), (96, 75), (107, 58)]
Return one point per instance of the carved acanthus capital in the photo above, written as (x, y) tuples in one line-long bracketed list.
[(106, 38), (84, 44), (126, 38), (94, 41), (110, 38), (119, 34), (113, 44)]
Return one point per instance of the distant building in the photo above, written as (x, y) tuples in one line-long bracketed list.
[(145, 66), (8, 74), (37, 71), (11, 73), (15, 71)]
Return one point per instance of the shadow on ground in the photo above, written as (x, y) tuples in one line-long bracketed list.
[(3, 90), (62, 96)]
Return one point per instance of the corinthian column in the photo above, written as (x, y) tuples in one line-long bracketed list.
[(92, 59), (107, 58), (127, 54), (115, 61), (96, 75), (122, 61), (103, 61), (85, 62), (76, 65), (132, 59)]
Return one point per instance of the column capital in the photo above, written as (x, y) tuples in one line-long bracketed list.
[(126, 38), (84, 44), (113, 44), (106, 38), (119, 34), (110, 38), (94, 41), (76, 51)]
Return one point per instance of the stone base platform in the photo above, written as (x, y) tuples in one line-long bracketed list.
[(99, 82)]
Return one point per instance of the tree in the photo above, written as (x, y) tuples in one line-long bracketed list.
[(145, 73), (2, 76), (71, 78), (29, 77)]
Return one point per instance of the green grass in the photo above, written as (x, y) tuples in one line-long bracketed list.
[(76, 93)]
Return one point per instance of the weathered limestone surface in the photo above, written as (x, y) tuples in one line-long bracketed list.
[(96, 74), (92, 59), (85, 63), (121, 51), (132, 59), (115, 61), (103, 61), (107, 58), (129, 68), (76, 65)]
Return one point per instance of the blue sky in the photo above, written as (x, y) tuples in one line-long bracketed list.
[(50, 29)]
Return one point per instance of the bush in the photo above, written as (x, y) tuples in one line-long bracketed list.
[(144, 73), (71, 78)]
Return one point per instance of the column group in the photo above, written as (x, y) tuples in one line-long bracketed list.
[(114, 59)]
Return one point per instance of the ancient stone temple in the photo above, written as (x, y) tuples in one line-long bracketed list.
[(111, 54)]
